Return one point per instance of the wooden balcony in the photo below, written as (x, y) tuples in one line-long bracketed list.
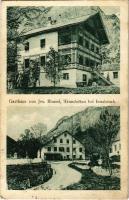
[(96, 56)]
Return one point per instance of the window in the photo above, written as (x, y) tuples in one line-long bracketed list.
[(61, 149), (86, 44), (61, 140), (74, 141), (27, 62), (97, 50), (49, 148), (42, 60), (110, 150), (42, 43), (80, 156), (80, 59), (55, 140), (27, 46), (67, 149), (115, 147), (67, 141), (55, 148), (84, 77), (65, 134), (87, 62), (67, 156), (115, 74), (74, 156), (66, 76), (64, 38), (92, 47), (92, 63), (80, 40), (74, 149), (80, 149)]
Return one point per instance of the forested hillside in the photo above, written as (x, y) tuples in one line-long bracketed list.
[(82, 124)]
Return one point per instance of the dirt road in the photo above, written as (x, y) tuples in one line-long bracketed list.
[(62, 177)]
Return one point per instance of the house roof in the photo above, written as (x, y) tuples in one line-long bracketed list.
[(99, 27), (49, 139), (110, 67)]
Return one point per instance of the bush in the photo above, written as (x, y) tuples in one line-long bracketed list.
[(61, 90), (115, 158), (94, 160), (20, 177)]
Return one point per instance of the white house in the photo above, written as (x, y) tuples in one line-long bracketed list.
[(111, 72), (61, 147), (78, 41), (116, 146)]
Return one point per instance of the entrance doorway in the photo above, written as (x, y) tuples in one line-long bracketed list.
[(53, 156)]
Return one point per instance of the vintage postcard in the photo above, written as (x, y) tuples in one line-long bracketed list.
[(64, 100)]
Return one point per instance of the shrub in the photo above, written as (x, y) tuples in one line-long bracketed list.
[(115, 158), (20, 177), (61, 90)]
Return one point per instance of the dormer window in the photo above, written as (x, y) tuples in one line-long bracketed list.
[(27, 46), (42, 43), (65, 134)]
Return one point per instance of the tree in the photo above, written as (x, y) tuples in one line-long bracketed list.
[(32, 140), (34, 72), (28, 145), (19, 20), (106, 130), (39, 130), (53, 66)]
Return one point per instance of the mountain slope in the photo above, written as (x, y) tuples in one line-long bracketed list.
[(80, 121)]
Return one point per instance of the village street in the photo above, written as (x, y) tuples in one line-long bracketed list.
[(62, 177)]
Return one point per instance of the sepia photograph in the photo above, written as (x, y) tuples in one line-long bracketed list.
[(63, 50), (68, 148)]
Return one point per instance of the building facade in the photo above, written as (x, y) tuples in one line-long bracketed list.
[(115, 149), (112, 73), (63, 147), (78, 42)]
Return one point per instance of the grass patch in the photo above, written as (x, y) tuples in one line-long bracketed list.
[(61, 90), (91, 181), (20, 177)]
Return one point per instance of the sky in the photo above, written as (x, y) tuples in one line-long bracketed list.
[(109, 10), (21, 118)]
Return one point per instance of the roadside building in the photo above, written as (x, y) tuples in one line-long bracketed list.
[(12, 148), (112, 73), (63, 147), (115, 150)]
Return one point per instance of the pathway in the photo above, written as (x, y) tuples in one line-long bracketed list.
[(62, 177)]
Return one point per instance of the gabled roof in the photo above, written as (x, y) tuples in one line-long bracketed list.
[(57, 135), (99, 26)]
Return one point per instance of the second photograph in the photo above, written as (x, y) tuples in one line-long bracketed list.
[(67, 148)]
